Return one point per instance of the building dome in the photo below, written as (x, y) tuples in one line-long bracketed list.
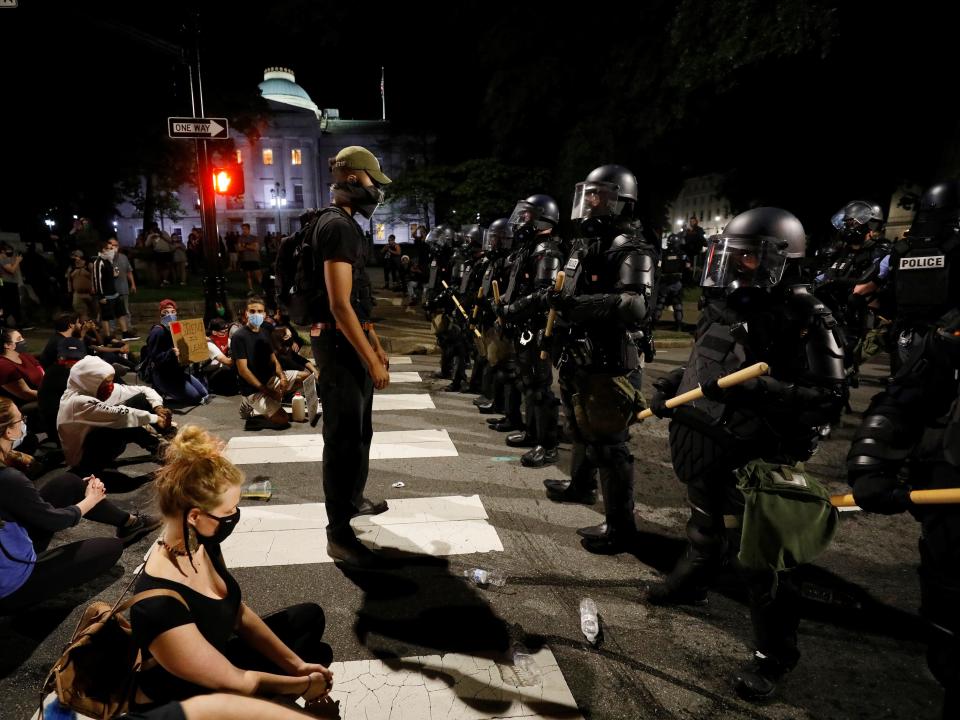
[(280, 86)]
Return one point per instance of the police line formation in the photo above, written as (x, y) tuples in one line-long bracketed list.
[(513, 301)]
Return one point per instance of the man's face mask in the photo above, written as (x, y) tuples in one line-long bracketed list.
[(255, 319), (105, 391), (364, 200)]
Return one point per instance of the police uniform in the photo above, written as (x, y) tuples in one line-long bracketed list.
[(673, 263), (912, 429), (752, 314)]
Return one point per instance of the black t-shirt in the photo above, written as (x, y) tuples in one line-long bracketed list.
[(255, 348), (340, 238), (214, 618)]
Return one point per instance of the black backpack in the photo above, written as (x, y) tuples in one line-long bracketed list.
[(296, 271)]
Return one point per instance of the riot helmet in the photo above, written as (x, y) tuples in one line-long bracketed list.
[(498, 238), (855, 219), (753, 250), (674, 243), (535, 213), (610, 191), (442, 236), (938, 217), (472, 236)]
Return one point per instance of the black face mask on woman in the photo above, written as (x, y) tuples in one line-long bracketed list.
[(225, 526)]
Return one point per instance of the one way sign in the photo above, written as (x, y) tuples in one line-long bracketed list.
[(205, 128)]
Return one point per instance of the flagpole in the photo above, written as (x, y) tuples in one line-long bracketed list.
[(383, 97)]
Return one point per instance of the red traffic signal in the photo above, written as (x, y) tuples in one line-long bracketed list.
[(228, 180)]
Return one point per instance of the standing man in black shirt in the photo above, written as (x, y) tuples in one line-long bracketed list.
[(349, 357), (262, 381)]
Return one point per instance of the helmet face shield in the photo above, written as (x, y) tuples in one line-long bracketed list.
[(743, 262), (496, 239), (857, 217), (595, 199)]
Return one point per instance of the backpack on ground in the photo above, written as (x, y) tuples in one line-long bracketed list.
[(96, 674)]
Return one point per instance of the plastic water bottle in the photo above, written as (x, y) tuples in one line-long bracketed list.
[(589, 625), (528, 672), (484, 578), (259, 490), (299, 408)]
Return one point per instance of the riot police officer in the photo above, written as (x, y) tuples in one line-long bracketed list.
[(855, 265), (606, 298), (756, 309), (440, 241), (914, 425), (673, 263), (533, 267), (497, 348)]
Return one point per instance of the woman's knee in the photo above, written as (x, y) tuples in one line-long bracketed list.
[(63, 490)]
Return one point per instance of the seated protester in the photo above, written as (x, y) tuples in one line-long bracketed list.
[(108, 349), (282, 320), (216, 642), (162, 359), (283, 347), (20, 373), (219, 373), (241, 320), (97, 419), (263, 382), (29, 572), (223, 705), (20, 378), (70, 350), (65, 325)]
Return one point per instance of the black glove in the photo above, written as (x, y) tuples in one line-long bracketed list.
[(664, 389), (881, 494), (557, 300), (712, 390)]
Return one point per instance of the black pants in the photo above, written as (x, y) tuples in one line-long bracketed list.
[(103, 446), (346, 392), (68, 565), (541, 407), (300, 627)]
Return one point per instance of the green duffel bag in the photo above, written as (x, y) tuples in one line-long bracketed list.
[(788, 519)]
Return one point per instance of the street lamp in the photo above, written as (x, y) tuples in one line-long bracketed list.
[(279, 195)]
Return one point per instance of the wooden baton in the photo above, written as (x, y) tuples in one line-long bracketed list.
[(496, 298), (943, 496), (552, 315), (735, 378), (460, 308)]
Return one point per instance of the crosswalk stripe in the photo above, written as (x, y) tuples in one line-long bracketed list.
[(390, 445), (400, 360), (294, 534), (405, 377), (430, 687)]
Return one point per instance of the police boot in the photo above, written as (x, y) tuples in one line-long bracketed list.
[(540, 456), (678, 320), (757, 680), (477, 376), (507, 425), (688, 582), (619, 532), (521, 439), (582, 486), (347, 550), (457, 371)]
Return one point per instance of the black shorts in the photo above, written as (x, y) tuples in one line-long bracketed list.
[(112, 309), (250, 265)]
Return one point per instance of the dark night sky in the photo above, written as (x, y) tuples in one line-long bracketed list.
[(854, 111)]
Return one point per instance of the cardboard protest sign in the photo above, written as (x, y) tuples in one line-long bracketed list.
[(190, 339)]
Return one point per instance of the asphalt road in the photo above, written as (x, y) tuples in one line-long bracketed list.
[(862, 657)]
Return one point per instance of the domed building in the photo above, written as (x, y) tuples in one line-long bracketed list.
[(285, 169)]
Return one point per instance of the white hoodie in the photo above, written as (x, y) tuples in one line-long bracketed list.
[(81, 411)]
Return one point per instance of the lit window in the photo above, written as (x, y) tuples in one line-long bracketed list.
[(268, 156), (295, 157), (239, 157)]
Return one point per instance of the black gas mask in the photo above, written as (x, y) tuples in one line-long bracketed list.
[(364, 200)]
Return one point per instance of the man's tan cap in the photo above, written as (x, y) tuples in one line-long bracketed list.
[(356, 157)]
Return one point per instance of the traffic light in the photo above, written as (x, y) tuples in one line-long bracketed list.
[(228, 180)]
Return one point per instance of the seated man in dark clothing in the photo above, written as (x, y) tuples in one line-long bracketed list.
[(69, 351), (65, 325), (97, 419), (263, 382)]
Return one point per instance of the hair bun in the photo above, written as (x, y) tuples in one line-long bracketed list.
[(191, 445)]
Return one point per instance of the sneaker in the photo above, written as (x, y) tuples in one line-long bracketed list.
[(253, 423), (128, 335), (757, 681), (142, 525), (207, 399)]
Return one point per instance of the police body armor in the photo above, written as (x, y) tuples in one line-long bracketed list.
[(531, 269), (672, 265), (627, 265), (924, 274), (797, 336)]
